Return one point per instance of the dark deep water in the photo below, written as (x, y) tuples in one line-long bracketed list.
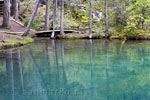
[(76, 70)]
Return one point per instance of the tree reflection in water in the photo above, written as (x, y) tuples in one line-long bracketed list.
[(85, 70)]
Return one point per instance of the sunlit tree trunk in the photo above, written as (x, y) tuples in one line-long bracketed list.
[(6, 16), (47, 15), (54, 17), (106, 19), (90, 19), (62, 18), (32, 17)]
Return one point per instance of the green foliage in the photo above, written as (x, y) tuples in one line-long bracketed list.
[(139, 13), (12, 42), (26, 40), (36, 24), (134, 22), (126, 17)]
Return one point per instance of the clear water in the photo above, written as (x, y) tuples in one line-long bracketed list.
[(76, 70)]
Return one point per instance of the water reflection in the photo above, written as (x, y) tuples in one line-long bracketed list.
[(76, 70)]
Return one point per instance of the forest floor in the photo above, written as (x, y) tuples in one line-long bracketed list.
[(16, 27), (11, 37)]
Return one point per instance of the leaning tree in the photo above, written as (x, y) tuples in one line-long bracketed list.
[(32, 17)]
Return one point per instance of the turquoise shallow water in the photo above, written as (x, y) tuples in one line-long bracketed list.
[(76, 70)]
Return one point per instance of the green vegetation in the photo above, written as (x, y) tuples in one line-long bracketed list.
[(14, 42), (127, 18), (80, 36)]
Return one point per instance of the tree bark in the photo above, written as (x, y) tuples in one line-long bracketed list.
[(106, 19), (6, 16), (54, 17), (32, 17), (90, 19), (62, 18), (15, 9), (47, 15)]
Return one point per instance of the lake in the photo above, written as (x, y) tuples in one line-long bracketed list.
[(76, 70)]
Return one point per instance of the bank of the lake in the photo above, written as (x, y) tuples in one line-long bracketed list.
[(8, 41), (119, 36)]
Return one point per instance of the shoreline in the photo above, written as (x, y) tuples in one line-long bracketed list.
[(8, 41)]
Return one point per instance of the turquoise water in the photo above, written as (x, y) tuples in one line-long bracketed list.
[(76, 70)]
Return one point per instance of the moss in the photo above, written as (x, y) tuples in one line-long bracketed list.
[(98, 36), (72, 36), (115, 37), (80, 36), (11, 43)]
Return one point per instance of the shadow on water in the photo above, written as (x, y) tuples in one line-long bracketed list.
[(76, 70)]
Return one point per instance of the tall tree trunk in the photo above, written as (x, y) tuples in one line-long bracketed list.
[(15, 9), (47, 15), (32, 17), (54, 17), (62, 18), (6, 16), (90, 19), (106, 19)]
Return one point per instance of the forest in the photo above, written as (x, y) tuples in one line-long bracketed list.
[(115, 19)]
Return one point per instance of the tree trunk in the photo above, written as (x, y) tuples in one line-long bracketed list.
[(62, 18), (32, 17), (106, 18), (47, 15), (90, 19), (15, 9), (6, 16), (54, 17)]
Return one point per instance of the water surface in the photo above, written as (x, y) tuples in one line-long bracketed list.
[(76, 70)]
